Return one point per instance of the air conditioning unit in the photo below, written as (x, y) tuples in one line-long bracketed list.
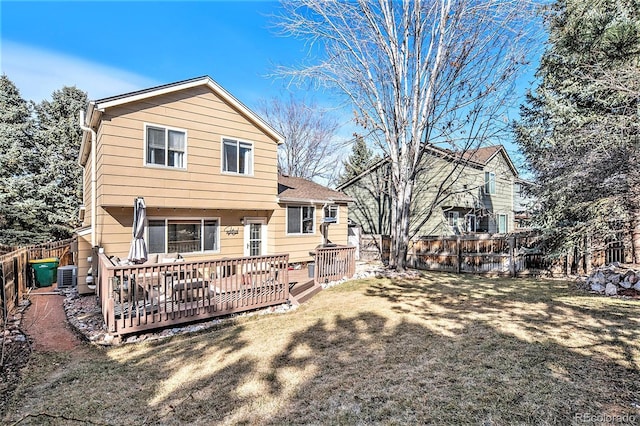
[(67, 276)]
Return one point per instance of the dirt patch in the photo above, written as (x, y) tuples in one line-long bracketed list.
[(45, 322), (40, 324)]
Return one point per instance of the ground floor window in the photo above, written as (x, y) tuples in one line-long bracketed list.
[(502, 224), (300, 219), (331, 213), (471, 222), (183, 235)]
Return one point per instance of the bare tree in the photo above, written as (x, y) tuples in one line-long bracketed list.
[(417, 73), (309, 137)]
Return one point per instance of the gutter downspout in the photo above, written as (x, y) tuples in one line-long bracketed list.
[(85, 128)]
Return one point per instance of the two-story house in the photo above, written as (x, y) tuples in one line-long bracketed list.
[(206, 167), (454, 194), (523, 203)]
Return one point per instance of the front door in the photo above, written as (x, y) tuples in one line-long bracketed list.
[(254, 237)]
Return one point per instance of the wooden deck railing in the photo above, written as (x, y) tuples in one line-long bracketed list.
[(334, 263), (135, 298)]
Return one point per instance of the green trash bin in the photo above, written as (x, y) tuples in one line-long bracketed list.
[(45, 271)]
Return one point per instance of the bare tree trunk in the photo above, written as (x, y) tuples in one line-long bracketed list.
[(400, 221), (634, 222)]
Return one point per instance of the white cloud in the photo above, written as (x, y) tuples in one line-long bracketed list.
[(37, 73)]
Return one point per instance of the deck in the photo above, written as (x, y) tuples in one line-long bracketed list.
[(137, 298)]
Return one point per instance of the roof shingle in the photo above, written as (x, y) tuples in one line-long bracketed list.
[(298, 189)]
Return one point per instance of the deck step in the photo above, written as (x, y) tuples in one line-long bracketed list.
[(305, 295), (301, 287)]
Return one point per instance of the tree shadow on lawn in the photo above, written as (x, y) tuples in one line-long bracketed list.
[(437, 352), (530, 309), (369, 372)]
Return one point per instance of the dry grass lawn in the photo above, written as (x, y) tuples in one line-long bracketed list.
[(444, 349)]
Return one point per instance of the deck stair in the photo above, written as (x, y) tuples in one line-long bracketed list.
[(302, 291)]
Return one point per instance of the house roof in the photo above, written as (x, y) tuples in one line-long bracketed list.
[(296, 189), (478, 158), (95, 108), (483, 154)]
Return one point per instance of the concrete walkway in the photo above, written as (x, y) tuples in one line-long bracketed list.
[(46, 324)]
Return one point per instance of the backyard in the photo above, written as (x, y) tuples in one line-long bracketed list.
[(442, 349)]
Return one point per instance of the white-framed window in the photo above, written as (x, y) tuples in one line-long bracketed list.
[(331, 213), (237, 157), (183, 235), (502, 224), (301, 220), (470, 220), (489, 183), (165, 146), (452, 218)]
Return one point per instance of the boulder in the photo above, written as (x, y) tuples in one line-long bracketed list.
[(596, 286), (633, 278), (599, 278), (625, 283), (611, 289), (614, 279), (636, 286)]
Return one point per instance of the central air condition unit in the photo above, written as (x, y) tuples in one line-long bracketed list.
[(67, 276)]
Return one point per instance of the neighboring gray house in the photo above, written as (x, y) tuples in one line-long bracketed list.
[(523, 203), (454, 194)]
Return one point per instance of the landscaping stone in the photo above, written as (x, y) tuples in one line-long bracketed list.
[(615, 280)]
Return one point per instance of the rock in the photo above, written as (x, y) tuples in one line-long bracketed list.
[(599, 278), (595, 286), (614, 279), (636, 287), (625, 283), (108, 339), (633, 278), (611, 289)]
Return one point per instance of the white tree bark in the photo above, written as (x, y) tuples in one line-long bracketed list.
[(416, 73)]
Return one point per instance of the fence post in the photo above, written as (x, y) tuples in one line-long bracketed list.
[(458, 255), (512, 255)]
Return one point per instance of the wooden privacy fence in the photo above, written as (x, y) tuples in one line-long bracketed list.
[(510, 255), (334, 263), (375, 247), (136, 298), (15, 272)]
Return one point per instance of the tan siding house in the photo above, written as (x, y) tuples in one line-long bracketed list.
[(206, 167), (454, 194)]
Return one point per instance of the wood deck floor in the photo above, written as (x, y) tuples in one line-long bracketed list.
[(299, 277)]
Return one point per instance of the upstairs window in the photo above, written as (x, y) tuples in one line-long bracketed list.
[(166, 147), (489, 183), (300, 219), (237, 157)]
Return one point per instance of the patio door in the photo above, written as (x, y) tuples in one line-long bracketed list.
[(255, 236)]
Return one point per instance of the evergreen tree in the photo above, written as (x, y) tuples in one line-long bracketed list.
[(361, 159), (579, 129), (40, 179), (58, 139), (21, 209)]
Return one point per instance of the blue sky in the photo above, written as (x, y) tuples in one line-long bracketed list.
[(109, 48)]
